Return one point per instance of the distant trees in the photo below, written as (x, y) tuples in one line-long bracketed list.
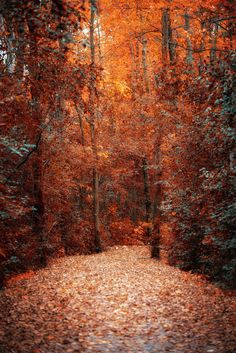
[(185, 53)]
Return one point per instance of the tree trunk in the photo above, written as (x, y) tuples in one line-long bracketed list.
[(202, 48), (97, 239), (156, 213), (79, 112), (99, 41), (214, 34), (63, 220), (38, 214), (9, 39), (144, 63), (168, 48), (38, 218), (133, 71), (148, 203), (139, 12), (189, 56)]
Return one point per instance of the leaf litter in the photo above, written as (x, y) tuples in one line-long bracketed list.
[(119, 301)]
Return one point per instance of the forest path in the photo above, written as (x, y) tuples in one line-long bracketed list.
[(120, 301)]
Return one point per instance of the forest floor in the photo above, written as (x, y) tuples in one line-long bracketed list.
[(120, 301)]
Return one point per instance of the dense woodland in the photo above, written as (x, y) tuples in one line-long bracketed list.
[(118, 129)]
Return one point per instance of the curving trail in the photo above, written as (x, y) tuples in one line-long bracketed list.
[(119, 301)]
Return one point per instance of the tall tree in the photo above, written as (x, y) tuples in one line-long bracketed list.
[(97, 239)]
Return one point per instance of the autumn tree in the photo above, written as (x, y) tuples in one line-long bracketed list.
[(34, 42)]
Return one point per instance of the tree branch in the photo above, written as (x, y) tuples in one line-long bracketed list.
[(29, 154), (25, 159)]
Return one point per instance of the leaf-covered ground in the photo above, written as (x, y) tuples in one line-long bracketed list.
[(120, 301)]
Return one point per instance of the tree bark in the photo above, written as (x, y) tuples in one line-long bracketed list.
[(168, 48), (202, 48), (99, 41), (34, 71), (214, 34), (97, 239), (144, 63), (148, 203), (189, 56), (139, 12), (133, 71), (156, 212), (80, 112)]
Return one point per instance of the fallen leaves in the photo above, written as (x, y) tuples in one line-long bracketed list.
[(118, 301), (20, 277)]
